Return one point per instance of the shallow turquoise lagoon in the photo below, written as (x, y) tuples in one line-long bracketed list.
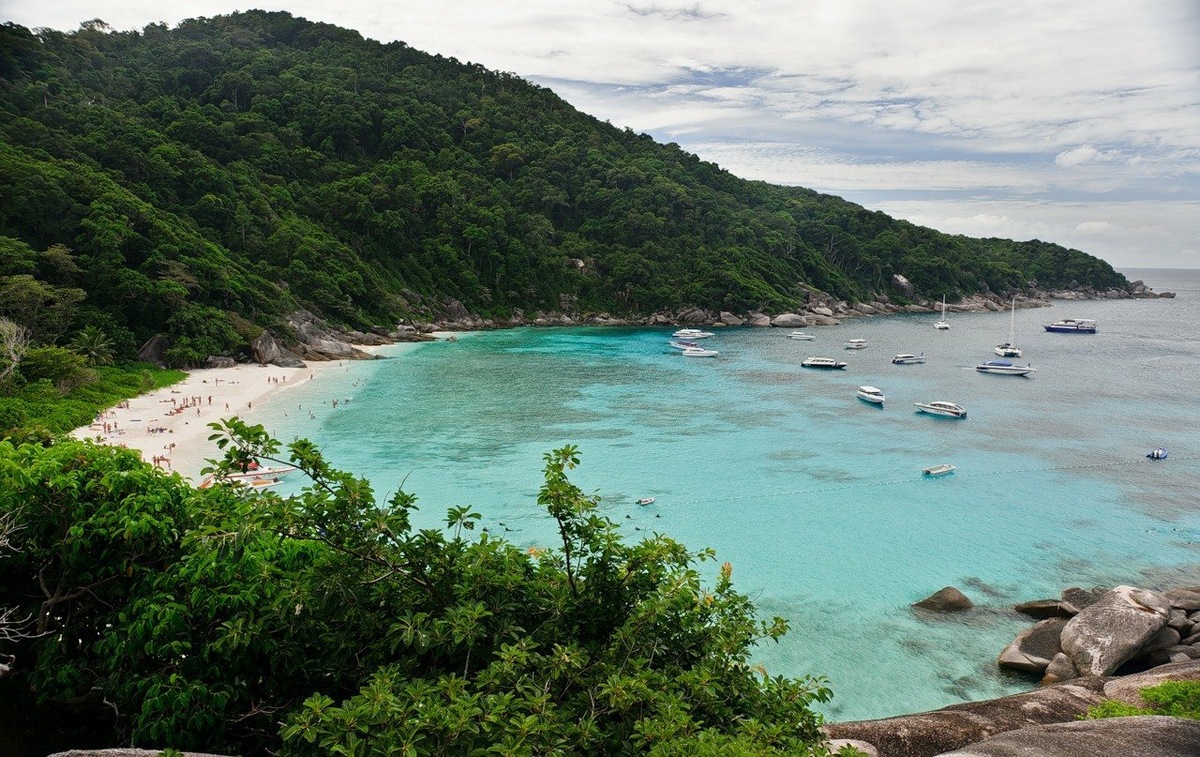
[(815, 497)]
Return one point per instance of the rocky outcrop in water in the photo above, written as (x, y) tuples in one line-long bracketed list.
[(1098, 633)]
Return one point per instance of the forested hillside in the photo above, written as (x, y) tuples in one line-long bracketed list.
[(204, 180)]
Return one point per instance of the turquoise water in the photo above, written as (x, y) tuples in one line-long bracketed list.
[(815, 497)]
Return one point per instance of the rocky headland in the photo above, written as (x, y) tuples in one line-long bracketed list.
[(1087, 646)]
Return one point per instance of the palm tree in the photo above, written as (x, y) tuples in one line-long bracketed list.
[(94, 345)]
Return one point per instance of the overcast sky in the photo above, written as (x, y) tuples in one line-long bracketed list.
[(1067, 121)]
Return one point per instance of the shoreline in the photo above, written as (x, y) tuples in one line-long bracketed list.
[(169, 426)]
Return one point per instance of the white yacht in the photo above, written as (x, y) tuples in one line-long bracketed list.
[(940, 407), (855, 344), (692, 334), (1008, 349), (1005, 368), (905, 358), (699, 352), (870, 394), (943, 324), (801, 336), (823, 362)]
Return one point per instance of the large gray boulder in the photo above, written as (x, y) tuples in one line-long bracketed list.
[(265, 348), (902, 285), (760, 320), (946, 599), (1035, 647), (789, 321), (152, 351), (1107, 634), (1155, 735)]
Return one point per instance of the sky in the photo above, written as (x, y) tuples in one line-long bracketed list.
[(1066, 121)]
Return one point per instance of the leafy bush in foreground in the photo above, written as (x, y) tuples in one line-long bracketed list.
[(207, 617)]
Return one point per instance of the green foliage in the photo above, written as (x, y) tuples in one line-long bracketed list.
[(257, 162), (94, 346), (1180, 699), (37, 410), (207, 617)]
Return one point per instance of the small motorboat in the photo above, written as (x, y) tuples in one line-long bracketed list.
[(940, 469), (646, 501), (692, 334), (942, 408), (1005, 368), (855, 344), (1072, 326), (679, 344), (823, 362), (699, 352), (905, 358), (801, 336), (870, 394), (1158, 453)]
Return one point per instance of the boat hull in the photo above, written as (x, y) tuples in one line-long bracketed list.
[(938, 470), (824, 363), (941, 410)]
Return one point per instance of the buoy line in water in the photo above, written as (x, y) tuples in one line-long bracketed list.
[(868, 484)]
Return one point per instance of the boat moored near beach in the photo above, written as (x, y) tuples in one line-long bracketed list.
[(800, 336), (855, 344), (699, 352), (942, 408), (1072, 326), (905, 358), (823, 362)]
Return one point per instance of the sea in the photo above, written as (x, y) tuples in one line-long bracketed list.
[(816, 498)]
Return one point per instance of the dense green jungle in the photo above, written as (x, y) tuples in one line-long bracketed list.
[(205, 180)]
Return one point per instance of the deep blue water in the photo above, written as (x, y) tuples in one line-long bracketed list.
[(815, 497)]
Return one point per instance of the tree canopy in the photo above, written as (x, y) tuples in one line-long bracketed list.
[(234, 168), (202, 619)]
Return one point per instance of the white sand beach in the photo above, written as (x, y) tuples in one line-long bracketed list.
[(170, 426)]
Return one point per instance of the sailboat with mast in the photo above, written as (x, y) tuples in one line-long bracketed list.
[(942, 325), (1008, 349)]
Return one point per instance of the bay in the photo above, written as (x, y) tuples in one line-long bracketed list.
[(816, 498)]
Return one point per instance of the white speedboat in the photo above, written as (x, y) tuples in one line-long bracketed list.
[(940, 469), (870, 394), (823, 362), (1005, 368), (940, 407), (943, 324), (699, 352), (646, 501), (1072, 326), (906, 359), (1158, 453), (855, 344), (681, 344), (801, 336), (262, 473), (692, 334), (1008, 349)]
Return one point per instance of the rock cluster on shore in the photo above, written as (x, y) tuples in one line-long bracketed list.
[(1099, 633), (1089, 645), (821, 309)]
